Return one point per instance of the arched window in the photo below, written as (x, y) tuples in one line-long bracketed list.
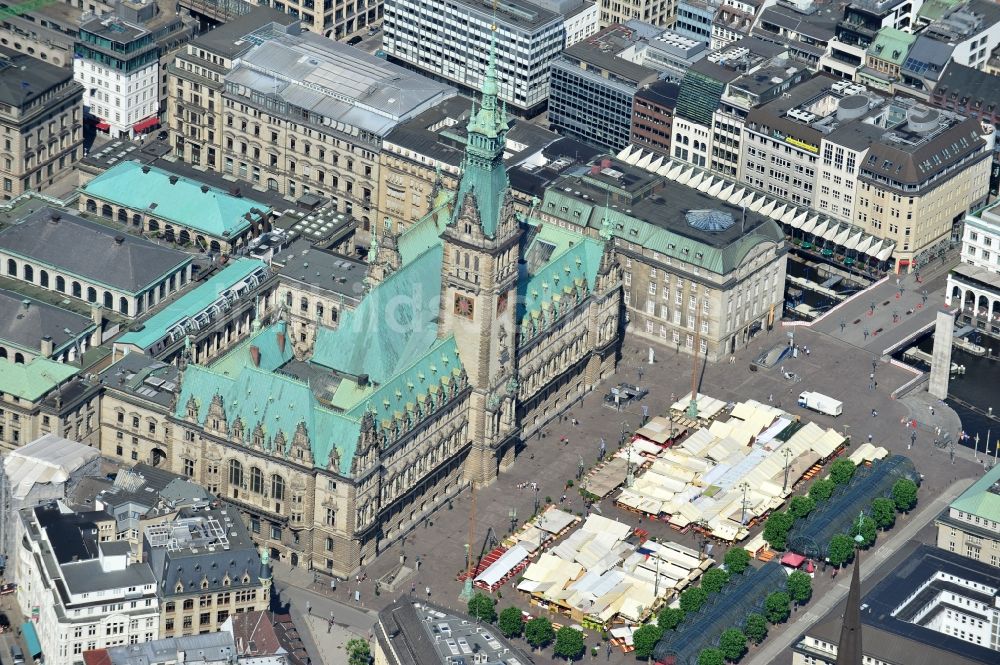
[(136, 220), (215, 247), (153, 225), (3, 352), (29, 273), (12, 267), (235, 473), (43, 278), (60, 284), (18, 358), (91, 294), (91, 206), (123, 215), (123, 305), (277, 487), (256, 480), (106, 211), (272, 184), (109, 300), (77, 290), (304, 304)]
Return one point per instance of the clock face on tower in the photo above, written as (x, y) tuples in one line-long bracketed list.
[(464, 306)]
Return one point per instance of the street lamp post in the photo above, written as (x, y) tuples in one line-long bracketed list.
[(512, 514), (743, 512), (536, 499), (787, 454), (580, 468)]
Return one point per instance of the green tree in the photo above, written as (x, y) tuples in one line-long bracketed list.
[(483, 607), (539, 632), (692, 599), (737, 560), (714, 579), (669, 618), (776, 606), (841, 550), (756, 627), (733, 644), (711, 657), (776, 530), (569, 643), (358, 652), (822, 490), (511, 623), (801, 506), (904, 494), (841, 471), (799, 587), (884, 512), (645, 640)]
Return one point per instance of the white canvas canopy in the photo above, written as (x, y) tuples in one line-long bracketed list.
[(499, 568)]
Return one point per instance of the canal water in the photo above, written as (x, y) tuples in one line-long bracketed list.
[(816, 300), (974, 393)]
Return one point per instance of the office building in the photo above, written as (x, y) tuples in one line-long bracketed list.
[(216, 648), (206, 565), (335, 19), (695, 19), (805, 30), (670, 53), (733, 21), (972, 29), (82, 590), (528, 36), (293, 436), (932, 607), (699, 277), (657, 12), (42, 121), (885, 58), (862, 19), (197, 78), (304, 115), (118, 62), (652, 116), (896, 169), (30, 328), (591, 89), (46, 31), (970, 525)]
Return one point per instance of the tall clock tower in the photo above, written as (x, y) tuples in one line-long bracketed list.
[(479, 283)]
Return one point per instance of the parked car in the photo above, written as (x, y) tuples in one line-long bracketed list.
[(354, 40)]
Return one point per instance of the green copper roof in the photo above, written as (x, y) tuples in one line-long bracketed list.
[(185, 202), (395, 322), (415, 388), (349, 394), (272, 353), (573, 265), (425, 233), (980, 500), (278, 403), (932, 10), (191, 303), (891, 45), (31, 381)]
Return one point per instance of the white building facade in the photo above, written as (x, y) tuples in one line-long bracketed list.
[(77, 603)]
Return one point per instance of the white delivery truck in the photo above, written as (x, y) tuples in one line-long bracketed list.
[(821, 403)]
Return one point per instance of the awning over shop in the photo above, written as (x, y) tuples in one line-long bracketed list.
[(873, 250), (103, 126), (885, 252), (31, 639), (148, 123)]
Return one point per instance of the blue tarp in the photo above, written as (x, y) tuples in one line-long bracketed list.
[(31, 639)]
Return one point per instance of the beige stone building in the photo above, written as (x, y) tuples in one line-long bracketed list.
[(305, 115), (336, 19), (196, 81), (697, 274), (334, 446), (41, 116), (970, 525)]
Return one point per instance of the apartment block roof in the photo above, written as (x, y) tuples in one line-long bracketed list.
[(24, 78), (177, 199), (217, 647), (25, 321), (230, 39), (343, 87), (144, 377), (89, 250), (892, 45), (601, 52), (967, 86), (963, 22), (517, 14)]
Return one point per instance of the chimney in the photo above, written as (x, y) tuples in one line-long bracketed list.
[(255, 355), (145, 169), (54, 216), (362, 380), (605, 163), (173, 179), (595, 169), (97, 317), (204, 189), (47, 347), (281, 341)]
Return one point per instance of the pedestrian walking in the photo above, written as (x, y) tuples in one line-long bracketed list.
[(428, 589), (869, 438), (333, 585), (413, 588), (309, 608), (874, 413)]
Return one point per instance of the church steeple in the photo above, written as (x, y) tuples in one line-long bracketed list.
[(484, 176)]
